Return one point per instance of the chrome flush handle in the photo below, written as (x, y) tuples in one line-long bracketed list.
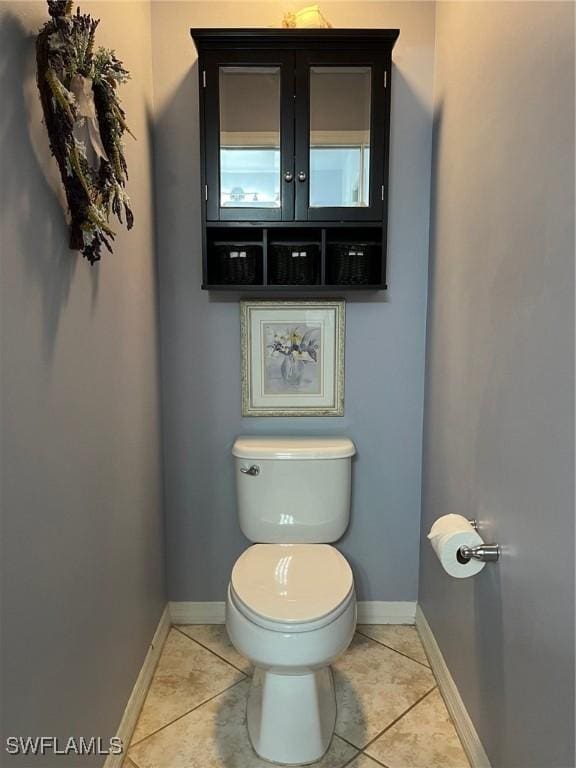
[(253, 470)]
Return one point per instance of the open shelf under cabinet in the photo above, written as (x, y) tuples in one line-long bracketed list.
[(304, 257)]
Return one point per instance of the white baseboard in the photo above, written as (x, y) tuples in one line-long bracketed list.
[(380, 612), (197, 613), (464, 725), (369, 612), (130, 716)]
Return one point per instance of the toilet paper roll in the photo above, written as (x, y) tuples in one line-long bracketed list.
[(447, 535)]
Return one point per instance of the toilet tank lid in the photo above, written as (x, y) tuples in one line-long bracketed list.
[(252, 447)]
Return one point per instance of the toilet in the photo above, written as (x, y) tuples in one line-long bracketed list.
[(291, 604)]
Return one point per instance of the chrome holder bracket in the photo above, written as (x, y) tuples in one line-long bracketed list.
[(486, 553)]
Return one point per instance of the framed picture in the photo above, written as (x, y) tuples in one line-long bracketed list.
[(292, 358)]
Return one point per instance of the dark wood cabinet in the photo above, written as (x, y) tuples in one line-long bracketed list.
[(295, 130)]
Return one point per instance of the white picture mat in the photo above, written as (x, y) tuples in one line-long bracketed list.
[(326, 319)]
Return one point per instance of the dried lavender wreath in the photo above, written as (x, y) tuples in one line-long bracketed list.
[(85, 124)]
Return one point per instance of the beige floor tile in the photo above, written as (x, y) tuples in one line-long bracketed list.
[(400, 637), (363, 761), (186, 675), (374, 686), (215, 638), (215, 736), (424, 738)]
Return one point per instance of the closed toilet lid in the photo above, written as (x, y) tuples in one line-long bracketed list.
[(292, 582)]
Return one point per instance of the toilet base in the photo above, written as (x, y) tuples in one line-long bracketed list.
[(291, 718)]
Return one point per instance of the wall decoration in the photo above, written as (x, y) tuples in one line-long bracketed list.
[(292, 358), (85, 122), (311, 16)]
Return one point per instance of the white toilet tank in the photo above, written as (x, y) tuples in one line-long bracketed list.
[(294, 489)]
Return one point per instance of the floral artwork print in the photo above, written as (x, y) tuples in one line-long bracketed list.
[(292, 358)]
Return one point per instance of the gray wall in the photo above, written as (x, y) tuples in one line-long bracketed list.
[(201, 335), (499, 414), (82, 539)]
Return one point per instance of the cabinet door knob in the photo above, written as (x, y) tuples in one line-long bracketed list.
[(288, 176), (302, 176)]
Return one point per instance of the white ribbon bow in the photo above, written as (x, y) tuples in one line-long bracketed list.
[(81, 87)]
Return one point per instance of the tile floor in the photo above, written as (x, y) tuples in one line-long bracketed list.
[(390, 712)]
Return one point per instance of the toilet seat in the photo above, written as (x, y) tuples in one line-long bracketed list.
[(292, 587)]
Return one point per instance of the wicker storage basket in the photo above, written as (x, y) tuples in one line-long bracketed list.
[(293, 264), (235, 263), (351, 263)]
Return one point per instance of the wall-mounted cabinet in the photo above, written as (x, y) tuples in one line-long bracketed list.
[(294, 142)]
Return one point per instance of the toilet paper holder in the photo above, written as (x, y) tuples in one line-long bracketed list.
[(486, 553)]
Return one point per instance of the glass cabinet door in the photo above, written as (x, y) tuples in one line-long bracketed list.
[(250, 137), (339, 166), (339, 137)]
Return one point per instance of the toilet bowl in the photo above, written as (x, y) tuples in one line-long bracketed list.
[(291, 605), (291, 610)]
